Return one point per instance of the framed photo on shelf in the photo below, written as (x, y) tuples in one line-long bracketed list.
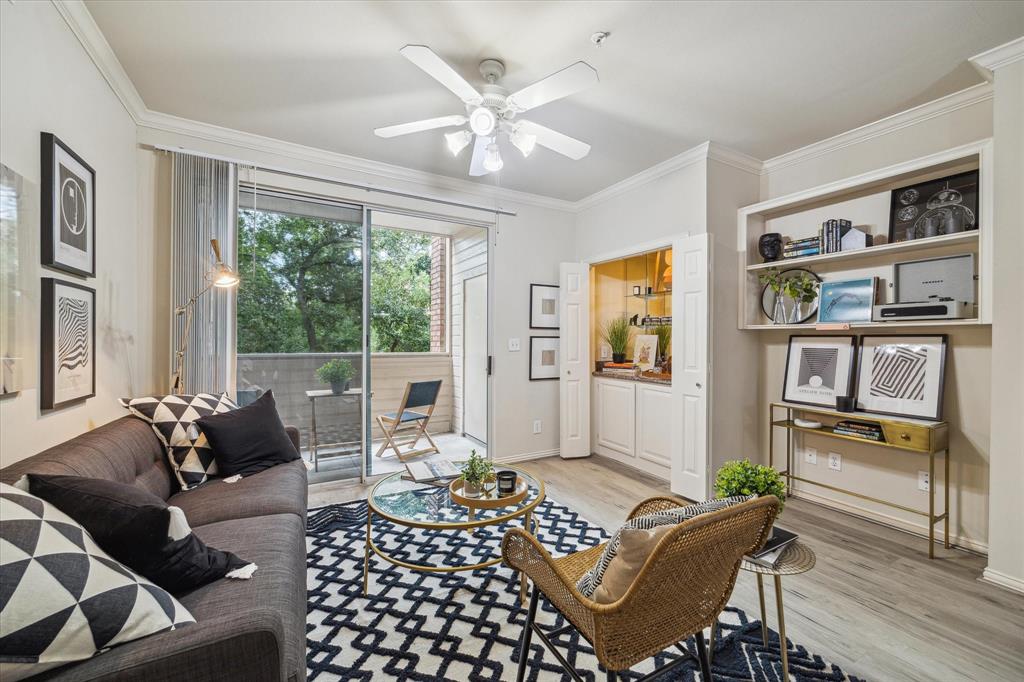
[(645, 351), (934, 208), (543, 358), (543, 306), (850, 300), (819, 369), (902, 375), (68, 343), (68, 217)]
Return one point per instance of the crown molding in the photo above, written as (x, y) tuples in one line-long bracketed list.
[(919, 114), (988, 61), (736, 159)]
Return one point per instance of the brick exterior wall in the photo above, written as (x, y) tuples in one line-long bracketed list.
[(438, 294)]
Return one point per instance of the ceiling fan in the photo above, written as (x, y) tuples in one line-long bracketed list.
[(492, 112)]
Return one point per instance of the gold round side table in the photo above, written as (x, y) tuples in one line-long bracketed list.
[(798, 558)]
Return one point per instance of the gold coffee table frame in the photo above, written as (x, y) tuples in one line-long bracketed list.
[(469, 524)]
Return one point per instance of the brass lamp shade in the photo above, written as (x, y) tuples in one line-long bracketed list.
[(222, 275)]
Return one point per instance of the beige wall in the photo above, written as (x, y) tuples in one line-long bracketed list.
[(48, 83), (967, 395)]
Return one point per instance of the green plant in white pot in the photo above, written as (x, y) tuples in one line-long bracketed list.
[(338, 373), (475, 472)]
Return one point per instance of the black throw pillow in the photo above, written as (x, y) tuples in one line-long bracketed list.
[(250, 439), (140, 530)]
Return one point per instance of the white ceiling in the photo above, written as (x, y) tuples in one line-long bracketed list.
[(760, 77)]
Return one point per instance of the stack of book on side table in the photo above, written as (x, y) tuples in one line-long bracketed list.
[(774, 548), (858, 429), (438, 472), (802, 247)]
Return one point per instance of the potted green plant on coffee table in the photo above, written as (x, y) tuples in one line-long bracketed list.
[(742, 477), (616, 333), (338, 373), (475, 472)]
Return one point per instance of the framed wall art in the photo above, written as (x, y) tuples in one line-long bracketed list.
[(543, 306), (934, 208), (902, 375), (543, 358), (68, 343), (819, 369), (645, 351), (848, 300), (68, 209)]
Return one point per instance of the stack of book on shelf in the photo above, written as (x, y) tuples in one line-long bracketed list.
[(802, 247), (866, 430), (618, 369), (774, 548), (831, 234)]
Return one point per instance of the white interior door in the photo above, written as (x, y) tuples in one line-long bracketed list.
[(474, 358), (574, 361), (690, 335)]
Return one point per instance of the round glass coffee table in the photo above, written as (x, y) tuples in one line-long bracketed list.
[(420, 505)]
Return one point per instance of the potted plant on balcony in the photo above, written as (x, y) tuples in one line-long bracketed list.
[(745, 478), (338, 373), (616, 333), (475, 471)]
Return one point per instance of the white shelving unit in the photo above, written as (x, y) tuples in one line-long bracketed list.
[(864, 199)]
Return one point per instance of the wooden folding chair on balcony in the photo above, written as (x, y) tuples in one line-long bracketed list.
[(683, 586), (408, 425)]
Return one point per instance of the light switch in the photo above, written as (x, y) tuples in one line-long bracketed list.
[(513, 345)]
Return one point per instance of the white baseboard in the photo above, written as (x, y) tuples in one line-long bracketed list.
[(525, 456), (918, 529), (1002, 580)]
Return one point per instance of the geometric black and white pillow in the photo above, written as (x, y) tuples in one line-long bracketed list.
[(172, 418), (62, 598), (588, 584)]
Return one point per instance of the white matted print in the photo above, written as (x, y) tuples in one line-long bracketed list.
[(69, 209), (645, 351), (68, 349), (902, 375), (543, 358), (819, 369), (543, 306)]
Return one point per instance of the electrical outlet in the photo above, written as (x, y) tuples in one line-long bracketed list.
[(513, 345), (536, 426), (923, 482), (811, 455), (835, 461)]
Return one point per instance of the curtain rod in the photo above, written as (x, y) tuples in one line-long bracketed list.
[(334, 181)]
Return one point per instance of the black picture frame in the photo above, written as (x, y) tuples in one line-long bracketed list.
[(49, 326), (51, 170), (531, 374), (933, 415), (534, 313), (839, 341), (948, 200)]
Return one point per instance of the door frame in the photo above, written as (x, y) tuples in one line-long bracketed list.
[(487, 353)]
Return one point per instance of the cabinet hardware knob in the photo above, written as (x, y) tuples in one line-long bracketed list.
[(904, 436), (699, 386)]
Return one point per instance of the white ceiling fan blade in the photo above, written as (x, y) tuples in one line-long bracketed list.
[(568, 81), (425, 58), (420, 126), (476, 165), (556, 141)]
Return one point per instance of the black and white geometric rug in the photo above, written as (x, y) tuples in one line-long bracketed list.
[(465, 626)]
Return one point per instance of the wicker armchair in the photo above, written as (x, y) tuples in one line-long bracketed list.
[(684, 585)]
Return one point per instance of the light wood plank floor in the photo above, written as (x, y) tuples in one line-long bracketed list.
[(874, 604)]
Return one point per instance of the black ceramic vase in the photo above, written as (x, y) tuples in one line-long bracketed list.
[(769, 245)]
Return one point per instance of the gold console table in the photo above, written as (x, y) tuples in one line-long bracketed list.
[(901, 433)]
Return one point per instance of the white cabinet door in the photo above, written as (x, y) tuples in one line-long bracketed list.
[(654, 424), (574, 354), (616, 416)]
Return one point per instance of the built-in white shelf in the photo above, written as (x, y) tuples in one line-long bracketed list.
[(809, 326), (897, 248)]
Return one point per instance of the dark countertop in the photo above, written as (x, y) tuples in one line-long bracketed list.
[(640, 380)]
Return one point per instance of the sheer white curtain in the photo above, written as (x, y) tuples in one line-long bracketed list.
[(204, 206)]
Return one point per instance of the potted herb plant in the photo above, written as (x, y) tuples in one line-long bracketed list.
[(742, 477), (338, 373), (616, 333), (475, 472)]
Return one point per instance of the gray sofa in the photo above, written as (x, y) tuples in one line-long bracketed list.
[(253, 630)]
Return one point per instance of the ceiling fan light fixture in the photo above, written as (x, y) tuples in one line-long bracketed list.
[(492, 161), (524, 142), (458, 141), (482, 120)]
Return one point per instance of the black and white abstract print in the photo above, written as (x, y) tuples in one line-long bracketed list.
[(899, 372), (68, 354), (818, 367), (72, 334), (902, 375)]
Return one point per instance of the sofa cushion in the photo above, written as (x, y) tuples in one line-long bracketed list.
[(173, 419), (280, 489), (63, 598), (250, 439)]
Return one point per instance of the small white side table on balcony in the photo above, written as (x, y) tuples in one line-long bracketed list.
[(317, 394)]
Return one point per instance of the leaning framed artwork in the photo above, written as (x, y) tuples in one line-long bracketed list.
[(850, 300), (543, 306), (819, 369), (543, 358), (902, 375), (68, 209), (68, 343)]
